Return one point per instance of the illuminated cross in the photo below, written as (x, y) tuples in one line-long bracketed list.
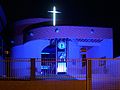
[(54, 15)]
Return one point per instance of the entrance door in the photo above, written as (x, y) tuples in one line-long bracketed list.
[(48, 60)]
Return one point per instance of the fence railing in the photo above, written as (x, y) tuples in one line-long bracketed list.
[(100, 73), (105, 73), (43, 69)]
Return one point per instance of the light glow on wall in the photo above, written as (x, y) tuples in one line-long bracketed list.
[(62, 67), (45, 67)]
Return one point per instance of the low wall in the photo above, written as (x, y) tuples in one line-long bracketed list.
[(43, 85)]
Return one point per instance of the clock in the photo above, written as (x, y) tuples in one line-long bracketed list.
[(61, 45)]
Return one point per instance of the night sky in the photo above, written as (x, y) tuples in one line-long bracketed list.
[(100, 12)]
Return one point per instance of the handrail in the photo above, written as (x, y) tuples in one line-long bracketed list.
[(54, 59)]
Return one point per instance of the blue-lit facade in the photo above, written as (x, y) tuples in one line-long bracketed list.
[(36, 38), (71, 43)]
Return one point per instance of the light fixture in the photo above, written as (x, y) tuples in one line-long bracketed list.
[(31, 34), (92, 31), (56, 30)]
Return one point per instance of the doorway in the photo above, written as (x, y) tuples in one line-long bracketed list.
[(48, 60)]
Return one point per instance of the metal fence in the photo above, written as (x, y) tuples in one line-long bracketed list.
[(99, 73), (43, 69), (105, 73)]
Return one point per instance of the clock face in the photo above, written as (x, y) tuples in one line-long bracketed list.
[(61, 45)]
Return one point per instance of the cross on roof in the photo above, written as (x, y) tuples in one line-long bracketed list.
[(54, 15)]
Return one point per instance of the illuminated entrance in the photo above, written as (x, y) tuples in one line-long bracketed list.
[(54, 56), (61, 56)]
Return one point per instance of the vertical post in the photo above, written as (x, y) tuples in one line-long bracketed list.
[(89, 75), (7, 60), (32, 75), (2, 49), (56, 54)]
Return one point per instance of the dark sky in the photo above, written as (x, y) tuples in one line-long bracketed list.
[(78, 11)]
